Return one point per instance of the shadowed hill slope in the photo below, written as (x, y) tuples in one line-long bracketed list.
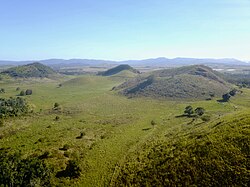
[(196, 81), (119, 69), (30, 70)]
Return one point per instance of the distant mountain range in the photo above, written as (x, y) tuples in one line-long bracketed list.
[(156, 62)]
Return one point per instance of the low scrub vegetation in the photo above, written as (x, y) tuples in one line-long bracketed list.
[(18, 171), (13, 107)]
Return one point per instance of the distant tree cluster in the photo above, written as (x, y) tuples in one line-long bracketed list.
[(189, 111), (27, 92), (13, 107)]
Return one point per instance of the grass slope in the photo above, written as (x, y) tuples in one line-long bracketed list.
[(198, 154), (30, 70), (196, 82)]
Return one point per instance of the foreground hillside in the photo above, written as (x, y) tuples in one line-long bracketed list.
[(30, 70), (198, 154), (80, 133), (193, 82)]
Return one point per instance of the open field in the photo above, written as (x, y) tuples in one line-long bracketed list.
[(114, 126)]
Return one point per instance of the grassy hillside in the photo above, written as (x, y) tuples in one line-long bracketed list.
[(195, 82), (119, 69), (30, 70), (197, 154), (107, 134)]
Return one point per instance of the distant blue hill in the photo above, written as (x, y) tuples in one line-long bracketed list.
[(160, 62)]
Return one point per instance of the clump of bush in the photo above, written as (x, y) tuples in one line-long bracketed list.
[(22, 93), (13, 107), (190, 112), (18, 171), (57, 107), (28, 92), (57, 118), (65, 147), (2, 90)]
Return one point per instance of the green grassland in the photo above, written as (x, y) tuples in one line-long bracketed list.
[(117, 130)]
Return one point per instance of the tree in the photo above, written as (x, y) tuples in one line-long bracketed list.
[(233, 92), (189, 110), (226, 97), (56, 105), (28, 92), (22, 93), (199, 111)]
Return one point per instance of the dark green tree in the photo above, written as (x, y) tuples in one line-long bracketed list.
[(233, 92), (22, 93), (28, 92), (56, 105), (199, 111), (226, 97), (189, 110)]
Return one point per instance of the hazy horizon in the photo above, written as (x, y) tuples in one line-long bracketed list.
[(124, 30), (122, 60)]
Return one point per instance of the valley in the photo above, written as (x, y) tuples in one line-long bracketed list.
[(113, 140)]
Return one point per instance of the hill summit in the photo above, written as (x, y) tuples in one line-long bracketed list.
[(195, 81), (30, 70), (118, 69)]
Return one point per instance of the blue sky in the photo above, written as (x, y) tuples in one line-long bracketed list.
[(124, 29)]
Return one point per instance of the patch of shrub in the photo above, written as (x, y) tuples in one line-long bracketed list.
[(72, 170), (65, 147), (13, 107), (16, 171)]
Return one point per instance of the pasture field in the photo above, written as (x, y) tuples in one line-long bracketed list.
[(114, 128)]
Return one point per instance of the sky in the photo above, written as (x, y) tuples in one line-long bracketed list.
[(124, 29)]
